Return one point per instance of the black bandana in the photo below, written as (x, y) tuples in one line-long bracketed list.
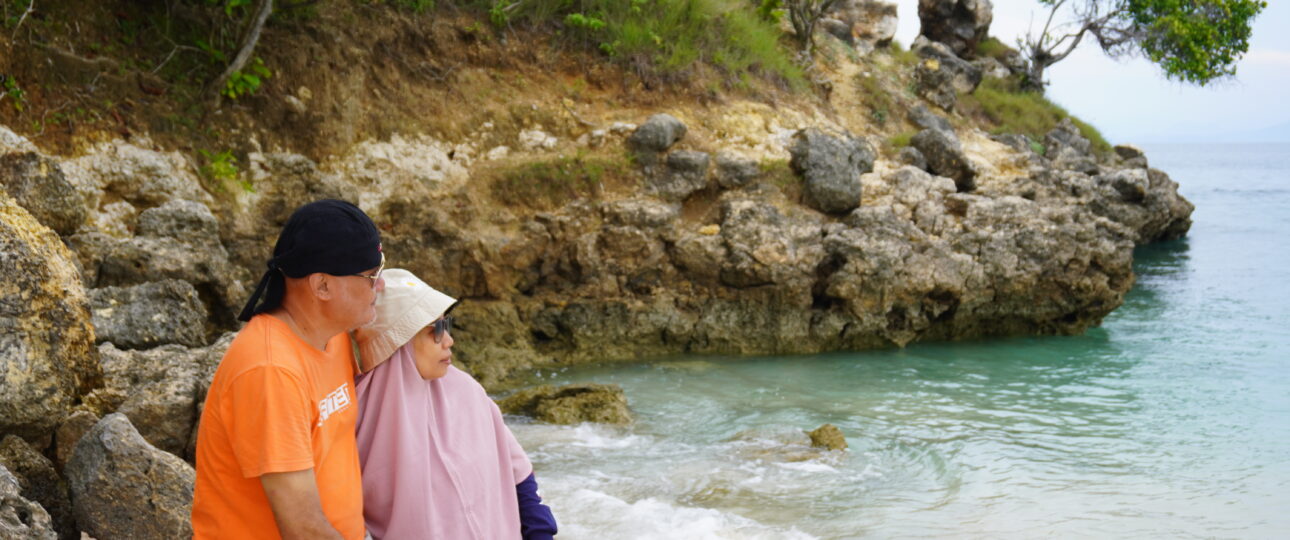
[(327, 236)]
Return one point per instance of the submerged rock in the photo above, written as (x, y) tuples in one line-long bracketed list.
[(122, 487), (570, 404), (829, 437)]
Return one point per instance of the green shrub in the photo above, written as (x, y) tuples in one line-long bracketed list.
[(1028, 113), (662, 38), (992, 48), (879, 101), (246, 81)]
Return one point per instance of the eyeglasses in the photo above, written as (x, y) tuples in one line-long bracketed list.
[(377, 275), (442, 326)]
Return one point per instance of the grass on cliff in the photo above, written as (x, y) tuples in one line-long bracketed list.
[(552, 182), (1007, 109), (663, 39)]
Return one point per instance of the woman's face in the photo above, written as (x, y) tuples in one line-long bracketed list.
[(432, 358)]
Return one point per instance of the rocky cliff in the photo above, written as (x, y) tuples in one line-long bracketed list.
[(574, 232)]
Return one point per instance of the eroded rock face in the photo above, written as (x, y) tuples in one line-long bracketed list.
[(175, 240), (46, 341), (150, 314), (831, 167), (959, 24), (40, 484), (158, 389), (122, 487), (570, 404), (19, 517), (37, 183)]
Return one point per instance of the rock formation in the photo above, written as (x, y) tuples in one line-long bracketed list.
[(570, 404)]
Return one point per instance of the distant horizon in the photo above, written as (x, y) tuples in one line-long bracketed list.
[(1130, 101)]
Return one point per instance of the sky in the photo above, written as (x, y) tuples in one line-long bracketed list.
[(1130, 101)]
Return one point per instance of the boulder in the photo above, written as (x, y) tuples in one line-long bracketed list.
[(159, 389), (926, 119), (40, 484), (148, 315), (1131, 156), (766, 247), (837, 29), (686, 173), (176, 240), (122, 487), (959, 24), (828, 437), (941, 76), (872, 21), (913, 157), (655, 136), (46, 340), (19, 517), (69, 432), (992, 68), (734, 170), (945, 157), (571, 404), (37, 183), (831, 167)]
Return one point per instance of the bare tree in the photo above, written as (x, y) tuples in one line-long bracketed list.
[(246, 44), (804, 14)]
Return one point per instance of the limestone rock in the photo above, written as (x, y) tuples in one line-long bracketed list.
[(913, 157), (941, 75), (686, 173), (159, 389), (656, 135), (829, 437), (945, 157), (19, 517), (40, 484), (734, 170), (122, 487), (69, 432), (836, 28), (926, 119), (46, 341), (959, 24), (176, 240), (148, 315), (641, 213), (571, 404), (766, 247), (831, 167), (870, 21), (37, 183), (1131, 156)]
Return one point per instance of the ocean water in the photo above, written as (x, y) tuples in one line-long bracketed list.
[(1171, 420)]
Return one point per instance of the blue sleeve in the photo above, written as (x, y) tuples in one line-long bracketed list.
[(536, 520)]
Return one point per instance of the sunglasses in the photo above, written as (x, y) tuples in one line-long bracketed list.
[(377, 275), (442, 326)]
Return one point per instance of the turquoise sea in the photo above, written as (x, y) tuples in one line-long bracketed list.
[(1171, 420)]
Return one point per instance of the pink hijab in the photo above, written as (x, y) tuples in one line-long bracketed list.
[(438, 462)]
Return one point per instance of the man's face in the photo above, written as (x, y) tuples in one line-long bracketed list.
[(356, 296)]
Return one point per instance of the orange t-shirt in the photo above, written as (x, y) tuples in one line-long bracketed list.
[(277, 404)]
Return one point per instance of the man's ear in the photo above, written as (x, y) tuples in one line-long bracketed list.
[(320, 285)]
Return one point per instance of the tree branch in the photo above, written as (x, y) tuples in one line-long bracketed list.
[(250, 36), (30, 7)]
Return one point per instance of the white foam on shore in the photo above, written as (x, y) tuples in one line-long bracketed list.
[(593, 514)]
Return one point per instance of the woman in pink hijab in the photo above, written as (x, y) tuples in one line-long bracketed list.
[(438, 462)]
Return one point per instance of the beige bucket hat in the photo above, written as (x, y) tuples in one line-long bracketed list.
[(405, 306)]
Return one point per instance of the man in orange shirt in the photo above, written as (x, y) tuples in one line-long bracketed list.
[(276, 456)]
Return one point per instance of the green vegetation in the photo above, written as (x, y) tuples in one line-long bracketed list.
[(663, 39), (222, 168), (1193, 41), (549, 183), (1012, 110), (901, 140), (881, 106), (993, 48), (246, 82), (9, 89)]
